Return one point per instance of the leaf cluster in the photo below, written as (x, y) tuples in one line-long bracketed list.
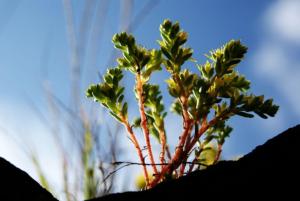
[(140, 61), (136, 58), (110, 93), (173, 39), (221, 88)]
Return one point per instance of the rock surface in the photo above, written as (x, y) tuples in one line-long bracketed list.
[(270, 170), (17, 185)]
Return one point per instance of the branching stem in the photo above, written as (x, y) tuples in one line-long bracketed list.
[(139, 88), (137, 147), (183, 165), (177, 157)]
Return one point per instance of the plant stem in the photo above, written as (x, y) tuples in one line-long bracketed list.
[(183, 165), (196, 158), (177, 158), (183, 99), (192, 165), (168, 152), (182, 168), (137, 147), (181, 154), (204, 127), (162, 137), (201, 131), (218, 153), (139, 88)]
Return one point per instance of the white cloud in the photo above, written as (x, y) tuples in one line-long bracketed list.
[(283, 18), (283, 71), (275, 60), (270, 60)]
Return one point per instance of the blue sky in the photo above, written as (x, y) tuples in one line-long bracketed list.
[(34, 50)]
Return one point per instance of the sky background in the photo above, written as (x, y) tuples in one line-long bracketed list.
[(35, 52)]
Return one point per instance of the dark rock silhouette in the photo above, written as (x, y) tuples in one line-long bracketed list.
[(270, 170), (17, 185)]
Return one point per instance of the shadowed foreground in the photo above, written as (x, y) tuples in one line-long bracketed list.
[(17, 185), (270, 170)]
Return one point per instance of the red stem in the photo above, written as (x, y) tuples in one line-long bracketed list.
[(183, 165), (162, 137), (176, 160), (139, 88), (218, 153), (138, 149)]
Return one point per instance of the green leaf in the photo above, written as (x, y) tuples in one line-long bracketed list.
[(153, 65), (182, 38), (154, 133), (120, 99), (176, 107), (116, 116), (173, 88), (90, 91), (165, 37), (166, 25), (174, 30), (244, 114), (234, 49), (136, 122), (261, 114), (166, 53), (124, 109), (187, 54), (218, 67)]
